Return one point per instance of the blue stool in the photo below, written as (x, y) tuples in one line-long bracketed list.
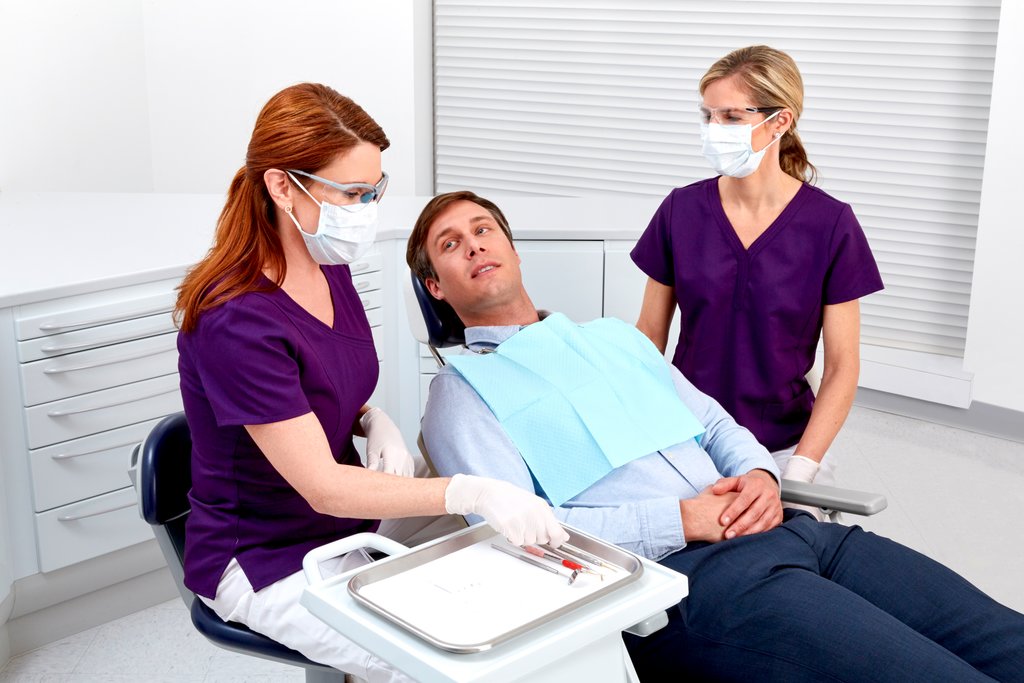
[(163, 465)]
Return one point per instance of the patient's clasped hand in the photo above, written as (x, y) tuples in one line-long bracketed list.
[(771, 597)]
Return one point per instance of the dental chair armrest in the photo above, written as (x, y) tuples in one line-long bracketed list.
[(832, 498)]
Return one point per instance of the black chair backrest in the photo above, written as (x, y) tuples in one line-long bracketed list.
[(164, 480), (165, 477), (444, 328)]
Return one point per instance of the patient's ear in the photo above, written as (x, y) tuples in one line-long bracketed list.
[(434, 288)]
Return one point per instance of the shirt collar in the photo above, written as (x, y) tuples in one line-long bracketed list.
[(487, 337)]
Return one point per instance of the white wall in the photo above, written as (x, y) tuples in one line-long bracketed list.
[(73, 113), (122, 95), (995, 327)]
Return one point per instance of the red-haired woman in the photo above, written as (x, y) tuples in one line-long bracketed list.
[(276, 365)]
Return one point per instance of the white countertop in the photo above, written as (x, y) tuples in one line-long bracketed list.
[(61, 244)]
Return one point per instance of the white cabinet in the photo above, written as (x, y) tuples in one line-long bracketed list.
[(564, 276), (624, 285), (368, 279), (6, 564), (97, 370)]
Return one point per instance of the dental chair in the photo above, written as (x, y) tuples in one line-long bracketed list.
[(433, 322), (162, 468)]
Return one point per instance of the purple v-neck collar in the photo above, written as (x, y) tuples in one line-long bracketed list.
[(777, 226)]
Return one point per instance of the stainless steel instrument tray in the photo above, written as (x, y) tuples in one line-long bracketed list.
[(443, 595)]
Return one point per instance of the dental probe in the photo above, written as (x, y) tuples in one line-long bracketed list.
[(586, 557), (535, 563), (555, 556)]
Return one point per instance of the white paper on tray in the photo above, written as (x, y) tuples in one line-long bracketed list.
[(478, 593)]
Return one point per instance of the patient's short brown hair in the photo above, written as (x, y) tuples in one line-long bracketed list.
[(416, 250)]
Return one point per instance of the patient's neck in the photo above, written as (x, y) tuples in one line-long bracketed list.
[(517, 311)]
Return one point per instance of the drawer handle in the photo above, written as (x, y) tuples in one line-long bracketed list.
[(52, 327), (360, 286), (145, 332), (359, 267), (101, 363), (68, 456), (95, 513), (65, 413)]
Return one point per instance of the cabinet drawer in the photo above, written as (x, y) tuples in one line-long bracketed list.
[(90, 528), (108, 366), (99, 411), (375, 317), (95, 337), (372, 299), (90, 310), (368, 282), (83, 468), (367, 264)]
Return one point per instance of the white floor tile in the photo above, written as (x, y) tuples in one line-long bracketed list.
[(955, 496), (56, 658), (151, 642), (295, 675), (229, 666), (27, 677)]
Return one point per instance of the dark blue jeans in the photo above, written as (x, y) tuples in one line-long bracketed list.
[(811, 601)]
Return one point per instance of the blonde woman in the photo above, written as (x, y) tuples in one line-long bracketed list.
[(761, 264)]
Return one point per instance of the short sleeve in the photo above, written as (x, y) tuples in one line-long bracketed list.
[(852, 272), (247, 364), (653, 251)]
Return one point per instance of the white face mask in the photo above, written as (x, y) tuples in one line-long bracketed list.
[(728, 148), (341, 236)]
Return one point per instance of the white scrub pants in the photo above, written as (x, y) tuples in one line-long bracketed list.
[(275, 611), (826, 475)]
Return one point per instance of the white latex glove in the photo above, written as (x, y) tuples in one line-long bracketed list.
[(520, 516), (385, 447), (800, 468)]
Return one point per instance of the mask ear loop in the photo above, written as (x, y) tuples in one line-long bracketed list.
[(775, 136), (303, 187), (769, 118), (288, 209)]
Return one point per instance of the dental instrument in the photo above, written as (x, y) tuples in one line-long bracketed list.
[(535, 563)]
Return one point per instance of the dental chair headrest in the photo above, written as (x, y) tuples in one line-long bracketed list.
[(432, 321)]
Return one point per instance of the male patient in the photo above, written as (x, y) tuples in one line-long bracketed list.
[(592, 418)]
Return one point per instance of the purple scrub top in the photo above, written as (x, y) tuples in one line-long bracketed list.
[(262, 358), (751, 318)]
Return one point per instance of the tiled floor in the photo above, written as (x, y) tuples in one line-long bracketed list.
[(156, 645), (953, 495)]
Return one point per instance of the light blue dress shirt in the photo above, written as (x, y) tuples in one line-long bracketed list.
[(636, 506)]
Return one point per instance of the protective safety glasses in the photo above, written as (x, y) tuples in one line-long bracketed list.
[(355, 195), (732, 115)]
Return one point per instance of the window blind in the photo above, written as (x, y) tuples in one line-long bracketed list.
[(583, 97)]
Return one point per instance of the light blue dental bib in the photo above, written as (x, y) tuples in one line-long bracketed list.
[(602, 387)]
